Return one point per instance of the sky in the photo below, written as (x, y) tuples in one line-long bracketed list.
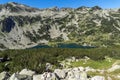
[(67, 3)]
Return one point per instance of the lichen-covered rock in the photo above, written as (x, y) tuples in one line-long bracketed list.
[(13, 77), (27, 72), (45, 76), (60, 73), (37, 77), (4, 76)]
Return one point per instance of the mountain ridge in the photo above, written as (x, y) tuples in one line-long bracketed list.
[(24, 27)]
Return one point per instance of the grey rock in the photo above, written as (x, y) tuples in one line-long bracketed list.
[(48, 66), (83, 76), (27, 72), (60, 73), (37, 77), (98, 78), (4, 76), (113, 68), (76, 75), (17, 76), (109, 78), (45, 76), (13, 77)]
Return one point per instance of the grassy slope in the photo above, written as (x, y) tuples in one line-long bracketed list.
[(32, 58), (103, 64)]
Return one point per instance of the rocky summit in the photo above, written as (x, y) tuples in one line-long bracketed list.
[(22, 26)]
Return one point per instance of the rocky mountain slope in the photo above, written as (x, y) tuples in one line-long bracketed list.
[(22, 26)]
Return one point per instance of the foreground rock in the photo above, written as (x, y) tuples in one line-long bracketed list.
[(27, 72), (98, 78), (58, 74), (77, 73), (113, 68), (45, 76), (66, 74), (17, 76), (4, 76)]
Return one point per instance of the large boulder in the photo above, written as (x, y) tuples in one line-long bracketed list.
[(4, 76), (70, 75), (17, 76), (109, 78), (76, 69), (98, 78), (83, 76), (51, 76), (48, 67), (118, 76), (37, 77), (89, 69), (67, 70), (113, 68), (13, 77), (71, 59), (81, 68), (76, 72), (23, 77), (76, 75), (60, 73), (27, 72), (45, 76)]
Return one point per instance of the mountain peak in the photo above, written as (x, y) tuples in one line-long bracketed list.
[(96, 8), (16, 7), (12, 3), (82, 8)]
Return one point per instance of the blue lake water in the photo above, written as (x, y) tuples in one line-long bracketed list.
[(62, 45), (41, 46)]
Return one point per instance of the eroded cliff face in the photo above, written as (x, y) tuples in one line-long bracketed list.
[(22, 26)]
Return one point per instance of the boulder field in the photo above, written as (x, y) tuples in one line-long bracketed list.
[(78, 73)]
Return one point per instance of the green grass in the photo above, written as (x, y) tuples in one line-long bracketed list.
[(112, 75), (102, 64), (116, 72)]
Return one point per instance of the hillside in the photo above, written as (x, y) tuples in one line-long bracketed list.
[(22, 26), (60, 64)]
